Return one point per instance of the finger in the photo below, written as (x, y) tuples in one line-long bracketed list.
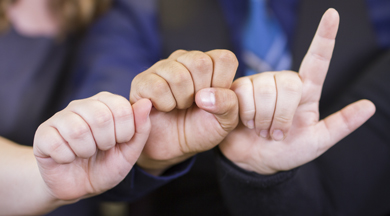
[(316, 62), (340, 124), (179, 80), (122, 113), (265, 100), (76, 133), (49, 143), (243, 88), (99, 119), (132, 149), (155, 88), (225, 67), (177, 53), (289, 87), (200, 65), (223, 103)]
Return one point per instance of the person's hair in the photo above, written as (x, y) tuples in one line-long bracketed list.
[(72, 15)]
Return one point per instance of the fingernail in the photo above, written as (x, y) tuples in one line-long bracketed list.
[(278, 135), (250, 124), (207, 98), (264, 133)]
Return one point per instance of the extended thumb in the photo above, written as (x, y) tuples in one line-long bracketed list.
[(220, 102)]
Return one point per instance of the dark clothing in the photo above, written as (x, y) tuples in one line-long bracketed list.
[(350, 179), (34, 75), (29, 83)]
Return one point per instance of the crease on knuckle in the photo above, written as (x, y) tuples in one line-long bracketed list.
[(264, 123), (179, 76), (319, 57), (159, 87), (102, 118), (227, 57), (55, 145), (78, 131), (123, 112), (201, 62), (248, 114), (282, 119)]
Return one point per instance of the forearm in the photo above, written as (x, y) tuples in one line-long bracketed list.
[(23, 190)]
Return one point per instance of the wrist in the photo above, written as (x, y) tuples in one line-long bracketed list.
[(48, 197), (247, 162)]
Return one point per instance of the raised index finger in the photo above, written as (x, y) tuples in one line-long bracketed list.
[(314, 66)]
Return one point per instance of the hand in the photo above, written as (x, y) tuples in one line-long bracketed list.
[(91, 145), (181, 128), (281, 112)]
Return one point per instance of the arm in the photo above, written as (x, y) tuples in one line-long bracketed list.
[(119, 46), (22, 184), (83, 150), (123, 43)]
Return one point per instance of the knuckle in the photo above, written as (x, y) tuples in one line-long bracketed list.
[(123, 112), (264, 123), (101, 117), (226, 56), (104, 93), (78, 130), (168, 106), (201, 62), (107, 146), (178, 52), (55, 145), (179, 76), (247, 114), (241, 84), (74, 103), (159, 86)]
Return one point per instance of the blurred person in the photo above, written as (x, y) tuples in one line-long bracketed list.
[(38, 41), (345, 179), (75, 155)]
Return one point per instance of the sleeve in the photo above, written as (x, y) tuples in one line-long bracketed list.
[(351, 178), (115, 49), (139, 183), (123, 43)]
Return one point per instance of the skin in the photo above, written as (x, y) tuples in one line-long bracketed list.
[(91, 145), (33, 18), (280, 128), (180, 127), (83, 150)]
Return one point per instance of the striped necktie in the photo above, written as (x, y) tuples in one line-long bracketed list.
[(265, 44)]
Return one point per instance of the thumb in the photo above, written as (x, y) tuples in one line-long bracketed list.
[(223, 103), (134, 147), (345, 121)]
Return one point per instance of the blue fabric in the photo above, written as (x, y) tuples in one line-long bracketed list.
[(126, 41), (285, 11), (138, 182), (380, 15), (130, 24), (264, 42), (131, 44)]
